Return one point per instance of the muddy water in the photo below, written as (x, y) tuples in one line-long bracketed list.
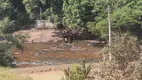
[(35, 54)]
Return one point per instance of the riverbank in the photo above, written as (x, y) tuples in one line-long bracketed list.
[(52, 72), (39, 54)]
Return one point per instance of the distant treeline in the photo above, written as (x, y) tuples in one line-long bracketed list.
[(85, 15)]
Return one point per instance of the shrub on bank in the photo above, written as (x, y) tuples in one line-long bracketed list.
[(126, 63), (77, 72)]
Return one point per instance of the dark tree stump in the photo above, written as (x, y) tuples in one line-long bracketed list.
[(68, 39)]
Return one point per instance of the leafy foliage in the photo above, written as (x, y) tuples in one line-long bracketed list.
[(5, 56), (49, 9), (49, 15), (33, 8), (126, 16), (5, 8), (87, 15), (77, 72), (6, 25), (76, 13)]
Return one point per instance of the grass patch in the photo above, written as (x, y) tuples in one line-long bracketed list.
[(9, 76), (4, 69)]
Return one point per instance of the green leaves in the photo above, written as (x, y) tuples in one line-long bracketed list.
[(32, 8), (76, 13), (91, 15), (49, 15), (126, 16), (5, 8), (43, 2), (6, 25), (78, 72), (37, 9)]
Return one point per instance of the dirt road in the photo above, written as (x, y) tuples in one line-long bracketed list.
[(51, 75), (54, 72), (42, 72)]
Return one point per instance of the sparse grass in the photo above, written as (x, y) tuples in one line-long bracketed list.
[(9, 76), (3, 68)]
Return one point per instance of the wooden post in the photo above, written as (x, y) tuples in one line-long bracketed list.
[(109, 27)]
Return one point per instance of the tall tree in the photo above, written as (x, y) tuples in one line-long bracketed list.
[(7, 11), (33, 8), (5, 8), (52, 10), (126, 15), (76, 13)]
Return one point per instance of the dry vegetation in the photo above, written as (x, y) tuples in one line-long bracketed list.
[(9, 76), (126, 61)]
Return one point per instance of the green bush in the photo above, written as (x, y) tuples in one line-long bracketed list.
[(6, 25), (77, 72), (5, 56), (51, 16), (5, 49)]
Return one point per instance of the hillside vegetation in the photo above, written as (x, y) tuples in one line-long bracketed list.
[(86, 15)]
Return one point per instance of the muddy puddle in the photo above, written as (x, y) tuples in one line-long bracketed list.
[(36, 54)]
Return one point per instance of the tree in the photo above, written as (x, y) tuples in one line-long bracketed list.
[(52, 11), (6, 26), (125, 14), (35, 7), (128, 18), (76, 13), (5, 8)]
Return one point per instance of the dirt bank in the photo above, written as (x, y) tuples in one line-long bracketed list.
[(53, 72), (56, 53), (38, 36)]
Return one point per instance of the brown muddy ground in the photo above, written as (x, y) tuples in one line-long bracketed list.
[(39, 36), (35, 54), (43, 47), (45, 56)]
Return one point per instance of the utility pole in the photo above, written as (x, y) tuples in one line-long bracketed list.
[(109, 27), (40, 14)]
